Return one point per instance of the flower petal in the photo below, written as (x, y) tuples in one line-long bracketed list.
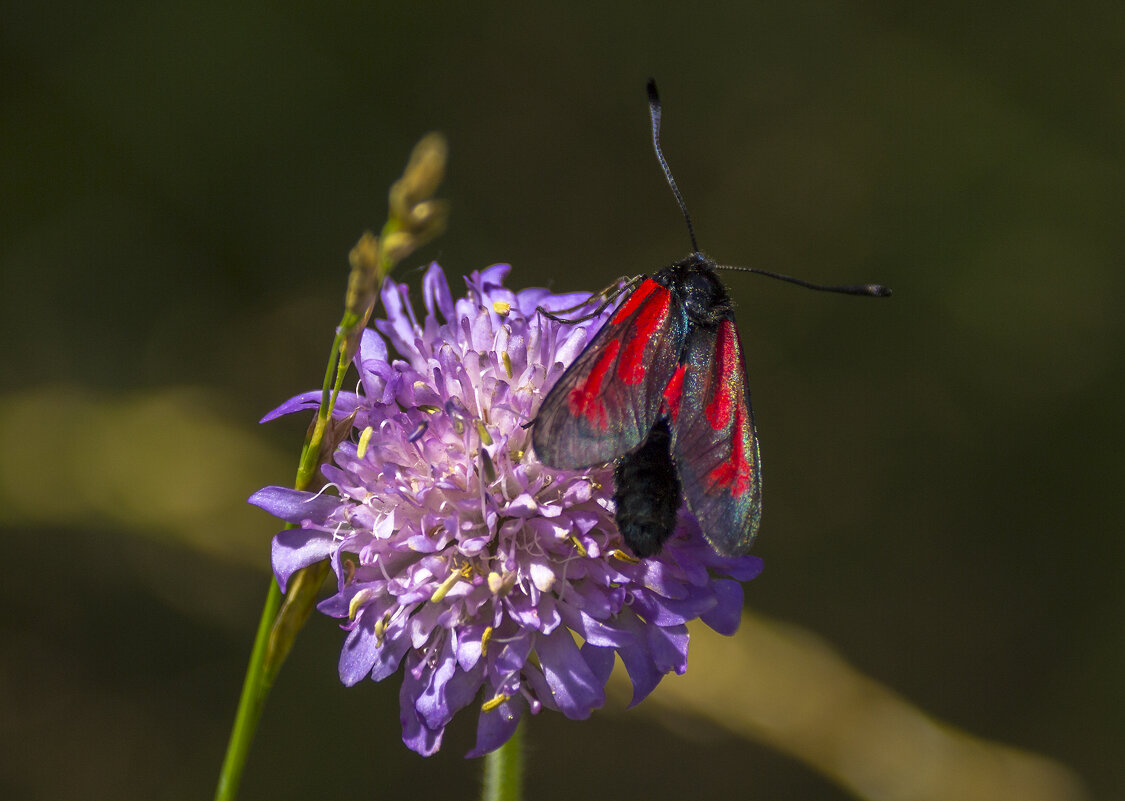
[(668, 646), (672, 611), (297, 548), (574, 687), (435, 292), (358, 655), (417, 736), (496, 726), (295, 506), (346, 403), (600, 660), (727, 614)]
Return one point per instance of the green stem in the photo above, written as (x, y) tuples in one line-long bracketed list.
[(503, 770), (255, 688), (371, 263)]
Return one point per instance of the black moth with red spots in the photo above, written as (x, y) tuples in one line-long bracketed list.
[(661, 391)]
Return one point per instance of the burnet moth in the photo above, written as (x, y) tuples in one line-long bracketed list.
[(661, 391)]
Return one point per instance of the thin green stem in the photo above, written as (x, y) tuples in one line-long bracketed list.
[(277, 632), (255, 688), (281, 621), (503, 770)]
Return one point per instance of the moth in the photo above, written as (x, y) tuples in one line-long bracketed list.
[(661, 391)]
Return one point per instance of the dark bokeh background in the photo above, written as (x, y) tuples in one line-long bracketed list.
[(180, 184)]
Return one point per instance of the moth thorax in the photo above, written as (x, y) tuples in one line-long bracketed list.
[(705, 299)]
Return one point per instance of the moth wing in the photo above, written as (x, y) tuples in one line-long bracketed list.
[(608, 400), (714, 441)]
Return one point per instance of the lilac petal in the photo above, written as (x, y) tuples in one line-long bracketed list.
[(593, 600), (668, 647), (435, 291), (496, 726), (636, 657), (524, 612), (531, 299), (661, 578), (358, 655), (573, 685), (574, 344), (372, 348), (549, 617), (415, 734), (397, 327), (346, 403), (512, 655), (298, 548), (449, 690), (493, 276), (643, 672), (727, 614), (672, 611), (422, 623), (463, 688), (469, 647), (600, 661), (742, 568), (396, 642), (295, 506), (594, 631), (430, 703)]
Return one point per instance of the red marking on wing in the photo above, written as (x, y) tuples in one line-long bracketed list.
[(735, 472), (635, 300), (631, 368), (719, 409), (673, 390), (585, 400)]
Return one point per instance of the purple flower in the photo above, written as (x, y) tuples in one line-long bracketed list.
[(463, 559)]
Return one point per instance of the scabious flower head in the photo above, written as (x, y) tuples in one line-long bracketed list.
[(463, 559)]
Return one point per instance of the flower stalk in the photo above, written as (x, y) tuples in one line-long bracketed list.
[(414, 219), (503, 770)]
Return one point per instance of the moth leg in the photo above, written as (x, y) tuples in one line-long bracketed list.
[(610, 293)]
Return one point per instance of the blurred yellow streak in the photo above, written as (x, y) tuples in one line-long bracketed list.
[(784, 687), (165, 464)]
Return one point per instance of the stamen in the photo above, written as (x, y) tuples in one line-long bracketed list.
[(494, 702), (617, 553), (501, 584), (507, 360), (364, 439), (578, 546), (358, 600), (446, 586), (501, 307), (484, 641)]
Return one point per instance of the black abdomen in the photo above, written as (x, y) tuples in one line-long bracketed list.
[(647, 493)]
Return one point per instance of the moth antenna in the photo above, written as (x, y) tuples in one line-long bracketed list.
[(654, 113), (869, 290)]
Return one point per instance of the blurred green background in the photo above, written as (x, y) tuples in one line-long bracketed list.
[(180, 184)]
